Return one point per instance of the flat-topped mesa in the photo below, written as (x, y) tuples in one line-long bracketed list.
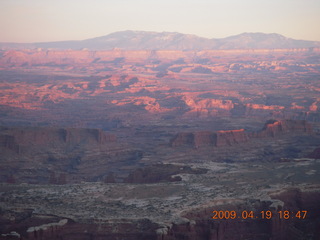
[(207, 138), (274, 128), (15, 138)]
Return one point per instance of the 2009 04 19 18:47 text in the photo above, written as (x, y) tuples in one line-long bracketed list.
[(285, 214)]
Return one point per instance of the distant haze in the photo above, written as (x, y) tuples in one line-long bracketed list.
[(50, 20), (142, 40)]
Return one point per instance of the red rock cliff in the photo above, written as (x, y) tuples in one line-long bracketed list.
[(274, 128)]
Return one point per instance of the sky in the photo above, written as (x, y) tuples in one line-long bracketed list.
[(57, 20)]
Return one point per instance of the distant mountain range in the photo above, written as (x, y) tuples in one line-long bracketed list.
[(141, 40)]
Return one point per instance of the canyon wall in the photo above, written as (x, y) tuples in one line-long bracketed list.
[(206, 138), (61, 155), (70, 155), (272, 128), (15, 138)]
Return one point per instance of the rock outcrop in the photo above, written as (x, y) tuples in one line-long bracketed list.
[(12, 137), (205, 138), (231, 137), (272, 128), (197, 226), (61, 155)]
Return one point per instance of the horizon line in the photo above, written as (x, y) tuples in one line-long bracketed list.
[(146, 31)]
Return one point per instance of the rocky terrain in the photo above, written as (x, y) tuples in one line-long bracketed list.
[(147, 143), (44, 86), (171, 210), (50, 155), (57, 183)]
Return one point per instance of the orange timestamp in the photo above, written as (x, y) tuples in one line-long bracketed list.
[(285, 214)]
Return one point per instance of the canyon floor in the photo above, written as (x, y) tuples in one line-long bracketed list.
[(149, 144)]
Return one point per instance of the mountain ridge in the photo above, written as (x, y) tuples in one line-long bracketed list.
[(147, 40)]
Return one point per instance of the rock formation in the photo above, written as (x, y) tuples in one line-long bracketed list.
[(197, 226), (71, 180), (147, 80), (272, 128), (60, 155), (231, 137), (15, 138), (205, 138)]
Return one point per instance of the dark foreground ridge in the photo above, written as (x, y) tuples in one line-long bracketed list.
[(169, 211)]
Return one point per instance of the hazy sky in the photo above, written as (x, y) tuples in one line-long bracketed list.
[(53, 20)]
